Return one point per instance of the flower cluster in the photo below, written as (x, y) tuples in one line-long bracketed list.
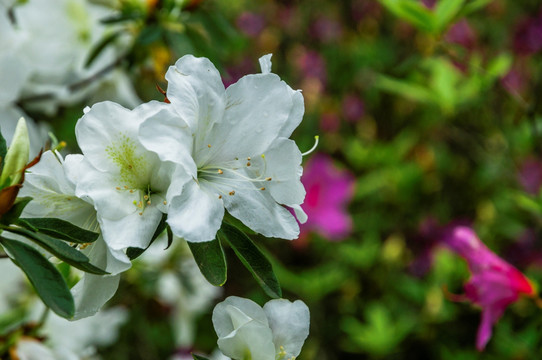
[(185, 161)]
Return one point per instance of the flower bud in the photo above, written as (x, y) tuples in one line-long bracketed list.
[(17, 155)]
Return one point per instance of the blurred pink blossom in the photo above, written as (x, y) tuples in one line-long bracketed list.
[(429, 3), (515, 81), (312, 64), (353, 108), (250, 24), (326, 29), (461, 33), (528, 36), (329, 190), (530, 175), (330, 122), (494, 283)]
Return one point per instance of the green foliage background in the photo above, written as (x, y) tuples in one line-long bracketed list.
[(442, 137)]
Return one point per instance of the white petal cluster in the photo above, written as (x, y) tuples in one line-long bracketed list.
[(51, 184), (48, 54), (211, 149), (234, 145), (247, 331)]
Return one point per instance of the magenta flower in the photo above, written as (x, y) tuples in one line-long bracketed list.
[(329, 190), (494, 283)]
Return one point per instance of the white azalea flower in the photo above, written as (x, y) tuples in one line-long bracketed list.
[(246, 331), (62, 37), (68, 340), (51, 184), (234, 145), (129, 185), (15, 71)]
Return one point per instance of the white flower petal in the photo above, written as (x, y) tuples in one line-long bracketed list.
[(105, 190), (296, 114), (92, 292), (282, 163), (196, 91), (195, 215), (265, 63), (53, 195), (259, 211), (300, 214), (169, 136), (290, 325), (257, 108), (251, 341), (222, 314), (132, 230), (33, 350), (108, 137)]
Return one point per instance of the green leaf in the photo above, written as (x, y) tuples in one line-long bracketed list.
[(404, 88), (59, 249), (413, 12), (45, 278), (3, 149), (199, 357), (253, 259), (211, 261), (13, 214), (59, 229), (472, 6), (134, 253), (100, 46), (445, 13)]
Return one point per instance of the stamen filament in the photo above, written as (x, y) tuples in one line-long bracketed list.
[(316, 140)]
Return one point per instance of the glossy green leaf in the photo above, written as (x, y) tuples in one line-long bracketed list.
[(59, 229), (45, 278), (253, 259), (134, 253), (211, 261), (60, 249)]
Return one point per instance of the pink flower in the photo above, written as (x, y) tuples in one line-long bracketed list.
[(528, 36), (326, 29), (353, 108), (530, 175), (312, 65), (494, 283), (328, 192), (250, 24), (461, 33)]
